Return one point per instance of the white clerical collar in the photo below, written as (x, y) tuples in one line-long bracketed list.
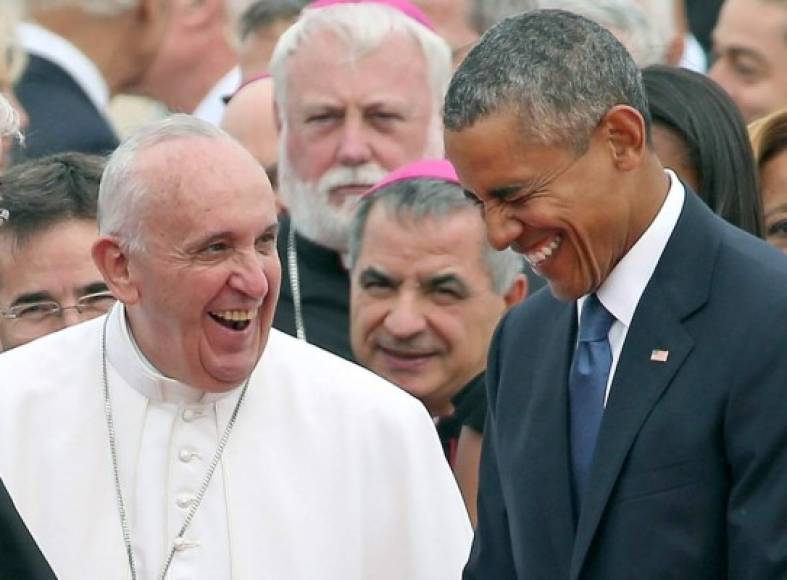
[(44, 43), (621, 291), (126, 357)]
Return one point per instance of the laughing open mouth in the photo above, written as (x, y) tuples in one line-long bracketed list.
[(234, 319)]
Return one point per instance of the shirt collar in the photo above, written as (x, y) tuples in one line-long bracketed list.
[(44, 43), (126, 357), (621, 291)]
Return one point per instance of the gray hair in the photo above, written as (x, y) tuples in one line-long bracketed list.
[(364, 27), (484, 14), (96, 7), (263, 13), (123, 189), (420, 199), (9, 120), (559, 72), (644, 33)]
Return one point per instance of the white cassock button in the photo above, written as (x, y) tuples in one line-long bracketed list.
[(184, 501), (185, 455), (189, 415), (180, 544)]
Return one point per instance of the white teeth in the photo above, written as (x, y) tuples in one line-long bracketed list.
[(537, 256), (235, 315)]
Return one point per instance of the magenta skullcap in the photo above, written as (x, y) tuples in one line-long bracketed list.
[(404, 6), (438, 169)]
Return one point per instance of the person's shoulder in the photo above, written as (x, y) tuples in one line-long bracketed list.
[(324, 376), (45, 363)]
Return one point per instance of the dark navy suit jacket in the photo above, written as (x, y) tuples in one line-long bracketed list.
[(62, 116), (20, 558), (689, 477)]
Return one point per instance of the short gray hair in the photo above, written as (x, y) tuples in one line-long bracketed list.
[(122, 188), (420, 199), (484, 14), (559, 72), (644, 35), (9, 119), (364, 27), (97, 7)]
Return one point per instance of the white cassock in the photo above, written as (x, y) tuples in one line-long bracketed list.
[(330, 473)]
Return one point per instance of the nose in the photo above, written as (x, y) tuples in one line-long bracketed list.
[(70, 317), (354, 147), (501, 231), (719, 74), (249, 276), (404, 319)]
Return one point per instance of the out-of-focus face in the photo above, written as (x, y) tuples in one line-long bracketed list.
[(422, 308), (202, 292), (348, 122), (53, 265), (673, 152), (568, 215), (250, 118), (751, 55), (773, 181), (451, 20), (255, 51)]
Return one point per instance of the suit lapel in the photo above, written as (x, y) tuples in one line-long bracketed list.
[(637, 386), (549, 437)]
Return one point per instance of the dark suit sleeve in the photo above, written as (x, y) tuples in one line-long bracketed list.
[(491, 555), (20, 558), (756, 440)]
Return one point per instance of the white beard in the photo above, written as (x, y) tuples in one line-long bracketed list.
[(309, 205)]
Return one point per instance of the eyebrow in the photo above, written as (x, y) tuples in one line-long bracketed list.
[(212, 237), (447, 280), (32, 298), (93, 288), (506, 191), (372, 274), (775, 210)]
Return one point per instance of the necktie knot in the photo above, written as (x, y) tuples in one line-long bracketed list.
[(595, 321)]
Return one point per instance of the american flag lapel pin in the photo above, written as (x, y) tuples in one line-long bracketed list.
[(658, 355)]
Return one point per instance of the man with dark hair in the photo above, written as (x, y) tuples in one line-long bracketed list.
[(47, 277), (750, 44), (632, 432), (422, 316)]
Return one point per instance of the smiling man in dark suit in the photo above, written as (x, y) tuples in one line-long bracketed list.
[(638, 421)]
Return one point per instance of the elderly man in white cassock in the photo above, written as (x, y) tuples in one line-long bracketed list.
[(180, 437)]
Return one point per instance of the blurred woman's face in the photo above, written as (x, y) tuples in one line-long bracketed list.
[(773, 183), (673, 152)]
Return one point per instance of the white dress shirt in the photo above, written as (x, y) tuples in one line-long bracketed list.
[(46, 44), (621, 291)]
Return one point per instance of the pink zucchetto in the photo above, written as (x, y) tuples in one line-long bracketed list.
[(403, 6), (439, 169)]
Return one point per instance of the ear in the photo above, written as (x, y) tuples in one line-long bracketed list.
[(113, 263), (517, 292), (277, 112), (624, 129)]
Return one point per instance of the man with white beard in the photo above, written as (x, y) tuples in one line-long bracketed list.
[(358, 94)]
